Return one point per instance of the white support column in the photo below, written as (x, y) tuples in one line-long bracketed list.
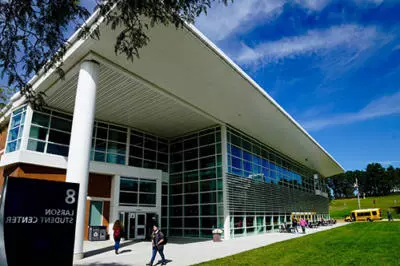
[(272, 224), (159, 197), (27, 127), (224, 150), (255, 225), (81, 142), (316, 181), (245, 225), (264, 224), (128, 144), (114, 204), (279, 221)]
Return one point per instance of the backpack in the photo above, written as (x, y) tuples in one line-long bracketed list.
[(117, 233), (165, 239)]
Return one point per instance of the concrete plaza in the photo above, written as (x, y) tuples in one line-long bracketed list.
[(182, 251)]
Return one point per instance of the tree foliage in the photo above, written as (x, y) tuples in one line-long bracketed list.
[(375, 180), (33, 32), (5, 94)]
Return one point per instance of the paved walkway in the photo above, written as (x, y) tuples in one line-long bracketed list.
[(182, 252)]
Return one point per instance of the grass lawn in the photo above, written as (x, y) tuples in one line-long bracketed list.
[(340, 208), (374, 243)]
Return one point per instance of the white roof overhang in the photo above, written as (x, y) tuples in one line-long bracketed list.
[(192, 79)]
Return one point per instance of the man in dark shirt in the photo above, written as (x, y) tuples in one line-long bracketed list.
[(157, 241), (294, 225)]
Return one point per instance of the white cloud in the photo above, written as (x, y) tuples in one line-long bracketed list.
[(397, 47), (351, 36), (222, 21), (314, 5), (384, 106), (364, 2), (317, 5), (388, 163)]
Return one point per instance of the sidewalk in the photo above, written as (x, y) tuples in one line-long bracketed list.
[(183, 252)]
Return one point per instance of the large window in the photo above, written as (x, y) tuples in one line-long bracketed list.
[(148, 151), (250, 159), (196, 184), (50, 132), (109, 143), (15, 130), (164, 207), (137, 192)]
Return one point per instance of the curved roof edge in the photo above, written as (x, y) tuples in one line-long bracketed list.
[(255, 85)]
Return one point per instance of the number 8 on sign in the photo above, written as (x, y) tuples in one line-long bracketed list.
[(70, 199)]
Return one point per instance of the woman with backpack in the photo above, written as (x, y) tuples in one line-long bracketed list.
[(117, 232)]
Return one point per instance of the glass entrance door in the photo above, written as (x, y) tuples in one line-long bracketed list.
[(132, 225), (140, 225)]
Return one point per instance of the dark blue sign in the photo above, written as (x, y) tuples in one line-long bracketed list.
[(37, 222)]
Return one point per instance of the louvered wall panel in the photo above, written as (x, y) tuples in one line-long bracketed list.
[(248, 195), (125, 101)]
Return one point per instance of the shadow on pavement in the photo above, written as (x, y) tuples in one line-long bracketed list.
[(104, 264), (160, 261), (109, 248), (125, 251), (182, 241)]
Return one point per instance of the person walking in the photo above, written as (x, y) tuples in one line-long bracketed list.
[(157, 241), (117, 232), (303, 225), (294, 225), (389, 215)]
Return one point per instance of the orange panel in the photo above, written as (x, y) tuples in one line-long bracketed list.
[(3, 137), (39, 172), (86, 236), (99, 186), (106, 213)]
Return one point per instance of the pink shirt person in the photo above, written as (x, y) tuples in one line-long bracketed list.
[(303, 222)]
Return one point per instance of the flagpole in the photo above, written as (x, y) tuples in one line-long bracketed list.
[(358, 194)]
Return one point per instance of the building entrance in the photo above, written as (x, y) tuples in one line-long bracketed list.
[(137, 225)]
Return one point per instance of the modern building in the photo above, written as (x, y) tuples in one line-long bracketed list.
[(182, 136)]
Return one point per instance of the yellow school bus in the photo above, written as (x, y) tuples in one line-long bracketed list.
[(366, 215)]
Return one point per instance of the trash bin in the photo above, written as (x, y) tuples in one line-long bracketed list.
[(97, 233), (217, 235), (103, 233)]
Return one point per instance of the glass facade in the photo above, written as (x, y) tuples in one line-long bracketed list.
[(15, 130), (109, 143), (148, 151), (263, 186), (164, 207), (196, 200), (250, 159), (50, 132), (137, 192)]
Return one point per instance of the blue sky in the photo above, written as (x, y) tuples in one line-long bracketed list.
[(333, 65)]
